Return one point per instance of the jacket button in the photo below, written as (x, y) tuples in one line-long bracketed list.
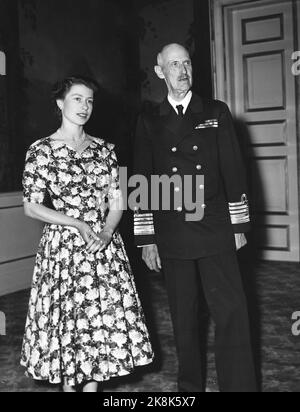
[(174, 149), (198, 167), (201, 187), (179, 209), (203, 206), (174, 170), (177, 189), (195, 148)]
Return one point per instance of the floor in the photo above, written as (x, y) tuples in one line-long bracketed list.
[(273, 291)]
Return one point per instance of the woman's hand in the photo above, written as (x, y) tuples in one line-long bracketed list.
[(95, 242), (103, 240), (87, 233)]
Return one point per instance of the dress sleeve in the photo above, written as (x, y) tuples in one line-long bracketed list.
[(35, 175)]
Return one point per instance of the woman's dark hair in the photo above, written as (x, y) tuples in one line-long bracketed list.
[(62, 88)]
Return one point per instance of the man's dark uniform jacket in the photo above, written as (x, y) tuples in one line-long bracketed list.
[(203, 142)]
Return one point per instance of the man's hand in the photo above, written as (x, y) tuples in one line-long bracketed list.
[(151, 258), (240, 240)]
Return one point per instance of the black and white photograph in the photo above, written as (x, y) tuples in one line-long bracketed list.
[(149, 198)]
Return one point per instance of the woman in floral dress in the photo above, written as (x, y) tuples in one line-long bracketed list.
[(85, 323)]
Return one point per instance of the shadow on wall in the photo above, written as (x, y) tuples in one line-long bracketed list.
[(257, 237), (251, 254)]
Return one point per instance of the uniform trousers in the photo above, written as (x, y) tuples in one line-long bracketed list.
[(220, 280)]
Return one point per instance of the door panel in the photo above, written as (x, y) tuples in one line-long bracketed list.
[(268, 133), (264, 82), (270, 196), (262, 29), (273, 238), (260, 89)]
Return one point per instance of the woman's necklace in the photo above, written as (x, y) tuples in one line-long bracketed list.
[(71, 143)]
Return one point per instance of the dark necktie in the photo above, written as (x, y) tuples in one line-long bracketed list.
[(180, 110)]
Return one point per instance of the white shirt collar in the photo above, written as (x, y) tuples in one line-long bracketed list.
[(185, 102)]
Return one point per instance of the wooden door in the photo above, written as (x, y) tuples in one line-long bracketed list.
[(258, 84)]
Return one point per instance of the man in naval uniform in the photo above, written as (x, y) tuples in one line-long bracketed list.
[(189, 136)]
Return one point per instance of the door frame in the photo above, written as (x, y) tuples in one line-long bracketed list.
[(220, 77)]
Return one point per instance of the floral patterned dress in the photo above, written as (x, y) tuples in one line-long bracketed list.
[(85, 321)]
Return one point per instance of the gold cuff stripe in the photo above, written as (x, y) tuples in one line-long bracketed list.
[(143, 224), (238, 221), (140, 231), (239, 211)]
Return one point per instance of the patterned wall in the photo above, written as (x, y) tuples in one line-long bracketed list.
[(8, 95), (169, 21)]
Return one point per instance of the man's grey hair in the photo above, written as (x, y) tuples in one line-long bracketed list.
[(160, 56)]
